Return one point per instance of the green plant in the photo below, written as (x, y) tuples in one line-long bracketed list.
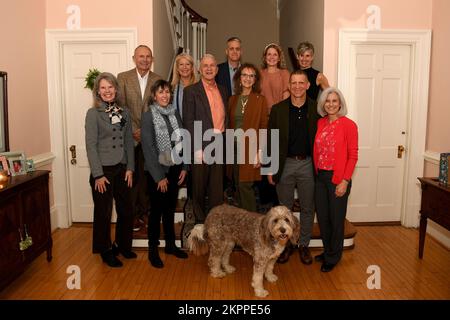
[(90, 78)]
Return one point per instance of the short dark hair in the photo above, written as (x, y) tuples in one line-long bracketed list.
[(298, 72), (159, 84)]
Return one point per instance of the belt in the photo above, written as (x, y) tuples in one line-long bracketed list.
[(298, 157)]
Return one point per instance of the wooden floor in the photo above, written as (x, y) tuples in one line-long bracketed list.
[(393, 248)]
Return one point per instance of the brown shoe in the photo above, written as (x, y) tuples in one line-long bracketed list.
[(305, 255), (284, 256)]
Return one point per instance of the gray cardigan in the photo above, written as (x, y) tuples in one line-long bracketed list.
[(108, 144), (150, 148)]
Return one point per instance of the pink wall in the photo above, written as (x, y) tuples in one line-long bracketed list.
[(106, 14), (398, 14), (439, 103), (23, 56)]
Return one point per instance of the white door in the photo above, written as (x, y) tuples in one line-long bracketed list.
[(78, 58), (379, 93)]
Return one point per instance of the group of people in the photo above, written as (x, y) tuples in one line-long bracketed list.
[(135, 127)]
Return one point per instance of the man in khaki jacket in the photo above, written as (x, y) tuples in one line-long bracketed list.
[(135, 87)]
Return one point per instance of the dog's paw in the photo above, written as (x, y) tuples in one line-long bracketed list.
[(271, 277), (262, 293), (218, 274), (229, 269)]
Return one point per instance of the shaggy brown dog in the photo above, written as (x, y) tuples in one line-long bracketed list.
[(262, 236)]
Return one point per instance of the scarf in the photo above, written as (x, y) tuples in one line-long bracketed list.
[(114, 112), (163, 141)]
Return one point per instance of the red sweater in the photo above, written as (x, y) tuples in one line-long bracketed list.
[(346, 147)]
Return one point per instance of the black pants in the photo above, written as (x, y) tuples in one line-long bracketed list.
[(118, 190), (140, 199), (163, 206), (207, 179), (331, 212)]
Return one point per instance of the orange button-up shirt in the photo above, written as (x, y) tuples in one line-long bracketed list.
[(216, 105)]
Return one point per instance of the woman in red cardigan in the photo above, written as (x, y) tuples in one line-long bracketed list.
[(335, 157)]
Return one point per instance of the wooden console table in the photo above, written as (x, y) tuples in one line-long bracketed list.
[(24, 209), (435, 206)]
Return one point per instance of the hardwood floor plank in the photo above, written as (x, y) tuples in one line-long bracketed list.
[(393, 249)]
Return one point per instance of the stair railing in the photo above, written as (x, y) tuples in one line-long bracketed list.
[(188, 29)]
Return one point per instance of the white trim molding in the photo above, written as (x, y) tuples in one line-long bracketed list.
[(420, 43), (55, 41), (432, 157), (43, 159)]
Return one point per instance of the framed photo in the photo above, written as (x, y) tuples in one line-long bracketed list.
[(30, 165), (4, 164), (16, 162)]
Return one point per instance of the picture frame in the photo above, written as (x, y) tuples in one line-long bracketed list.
[(16, 162), (30, 167), (4, 136), (4, 166)]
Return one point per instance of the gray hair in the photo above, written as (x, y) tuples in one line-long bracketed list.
[(305, 46), (323, 97), (208, 55), (112, 80)]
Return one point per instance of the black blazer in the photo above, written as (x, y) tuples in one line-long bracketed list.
[(196, 108), (279, 119), (223, 77)]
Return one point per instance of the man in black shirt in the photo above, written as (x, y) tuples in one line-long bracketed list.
[(296, 119)]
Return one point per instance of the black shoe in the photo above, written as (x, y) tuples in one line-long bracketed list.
[(284, 256), (177, 252), (320, 257), (110, 259), (327, 267), (305, 255), (127, 254), (153, 257)]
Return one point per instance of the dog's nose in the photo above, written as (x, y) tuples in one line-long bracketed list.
[(282, 230)]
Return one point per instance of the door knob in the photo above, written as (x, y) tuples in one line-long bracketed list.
[(73, 150), (400, 151)]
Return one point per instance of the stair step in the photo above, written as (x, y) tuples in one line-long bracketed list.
[(140, 237)]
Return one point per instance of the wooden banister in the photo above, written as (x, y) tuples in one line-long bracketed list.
[(195, 16)]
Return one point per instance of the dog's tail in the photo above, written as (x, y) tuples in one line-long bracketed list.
[(196, 241)]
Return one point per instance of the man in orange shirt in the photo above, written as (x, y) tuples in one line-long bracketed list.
[(204, 103)]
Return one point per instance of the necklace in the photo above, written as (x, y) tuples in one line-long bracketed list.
[(244, 103)]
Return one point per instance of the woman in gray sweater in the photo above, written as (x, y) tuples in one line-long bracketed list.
[(110, 152)]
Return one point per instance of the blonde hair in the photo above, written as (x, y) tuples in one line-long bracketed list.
[(176, 74), (323, 97), (281, 64)]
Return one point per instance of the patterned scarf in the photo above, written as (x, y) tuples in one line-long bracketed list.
[(114, 112), (163, 141)]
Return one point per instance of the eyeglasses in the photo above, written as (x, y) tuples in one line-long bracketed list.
[(246, 75)]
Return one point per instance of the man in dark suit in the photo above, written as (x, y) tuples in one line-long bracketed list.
[(204, 103), (227, 69), (296, 119), (135, 86)]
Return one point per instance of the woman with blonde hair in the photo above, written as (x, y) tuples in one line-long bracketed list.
[(274, 75), (182, 76)]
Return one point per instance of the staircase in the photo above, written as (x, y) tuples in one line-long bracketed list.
[(188, 29)]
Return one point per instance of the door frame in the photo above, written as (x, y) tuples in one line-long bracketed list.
[(55, 41), (420, 43)]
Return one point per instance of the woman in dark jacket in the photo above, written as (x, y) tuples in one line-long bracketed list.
[(159, 124)]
